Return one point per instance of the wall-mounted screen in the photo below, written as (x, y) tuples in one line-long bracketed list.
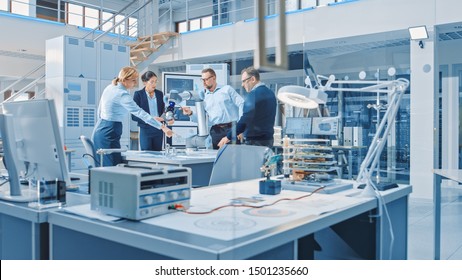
[(325, 126), (298, 126), (181, 82)]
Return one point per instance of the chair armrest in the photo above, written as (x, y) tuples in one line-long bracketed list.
[(109, 151)]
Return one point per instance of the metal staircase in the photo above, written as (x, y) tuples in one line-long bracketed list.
[(148, 48), (143, 52)]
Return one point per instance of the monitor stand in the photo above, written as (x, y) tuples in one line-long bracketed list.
[(27, 195)]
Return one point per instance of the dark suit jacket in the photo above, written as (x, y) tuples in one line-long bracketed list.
[(141, 99)]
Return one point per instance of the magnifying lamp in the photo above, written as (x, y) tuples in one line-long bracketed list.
[(302, 97)]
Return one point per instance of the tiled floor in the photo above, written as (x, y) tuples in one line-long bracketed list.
[(420, 238)]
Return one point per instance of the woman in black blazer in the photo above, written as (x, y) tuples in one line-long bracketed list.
[(150, 100)]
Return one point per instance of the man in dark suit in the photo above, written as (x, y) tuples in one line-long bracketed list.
[(150, 100), (257, 121)]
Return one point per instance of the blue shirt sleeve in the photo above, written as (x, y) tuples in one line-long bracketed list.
[(238, 100), (247, 115), (127, 102)]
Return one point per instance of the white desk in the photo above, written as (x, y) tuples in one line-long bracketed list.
[(200, 162), (276, 232), (24, 230), (438, 176)]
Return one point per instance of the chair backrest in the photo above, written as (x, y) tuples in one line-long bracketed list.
[(90, 153), (238, 162)]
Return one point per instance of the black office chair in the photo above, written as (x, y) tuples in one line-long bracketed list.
[(239, 162)]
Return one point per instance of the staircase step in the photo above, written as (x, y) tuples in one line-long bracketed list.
[(161, 35), (142, 50), (156, 43), (138, 58)]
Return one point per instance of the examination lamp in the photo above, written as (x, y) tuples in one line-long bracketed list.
[(418, 33), (302, 97)]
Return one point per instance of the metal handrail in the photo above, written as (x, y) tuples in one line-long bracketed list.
[(118, 23), (21, 79), (113, 16), (23, 90), (39, 94)]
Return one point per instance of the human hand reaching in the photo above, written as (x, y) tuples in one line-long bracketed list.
[(186, 111), (168, 132)]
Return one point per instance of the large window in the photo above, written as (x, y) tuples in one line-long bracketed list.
[(4, 5), (307, 4), (194, 24), (182, 26), (74, 14), (20, 7), (48, 9), (91, 17), (133, 27), (108, 25), (122, 27)]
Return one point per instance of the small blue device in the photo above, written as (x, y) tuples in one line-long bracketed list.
[(271, 187)]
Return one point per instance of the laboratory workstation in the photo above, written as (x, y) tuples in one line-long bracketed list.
[(231, 130)]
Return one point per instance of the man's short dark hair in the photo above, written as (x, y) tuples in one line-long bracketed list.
[(209, 70), (251, 72)]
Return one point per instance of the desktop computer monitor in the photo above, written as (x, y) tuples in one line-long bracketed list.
[(298, 126), (32, 146)]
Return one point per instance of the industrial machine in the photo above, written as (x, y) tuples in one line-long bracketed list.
[(139, 191)]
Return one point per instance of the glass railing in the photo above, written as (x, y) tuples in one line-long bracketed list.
[(229, 11), (75, 13)]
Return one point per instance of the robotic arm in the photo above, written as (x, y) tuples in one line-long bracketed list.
[(174, 97)]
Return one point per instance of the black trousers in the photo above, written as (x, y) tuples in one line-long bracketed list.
[(217, 132), (268, 142), (151, 139)]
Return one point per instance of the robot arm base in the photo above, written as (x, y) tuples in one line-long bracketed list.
[(196, 141)]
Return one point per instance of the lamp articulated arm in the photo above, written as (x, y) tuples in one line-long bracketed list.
[(309, 97), (396, 89)]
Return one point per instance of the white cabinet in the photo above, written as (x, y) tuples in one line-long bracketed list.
[(77, 71)]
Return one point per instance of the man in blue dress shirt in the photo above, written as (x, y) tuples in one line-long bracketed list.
[(223, 106), (257, 121)]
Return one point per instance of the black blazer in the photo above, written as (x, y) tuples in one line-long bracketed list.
[(141, 99)]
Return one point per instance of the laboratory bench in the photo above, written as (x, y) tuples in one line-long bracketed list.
[(294, 229), (200, 161), (24, 233)]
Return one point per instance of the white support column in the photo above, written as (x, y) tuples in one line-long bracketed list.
[(155, 22), (450, 115), (424, 114), (32, 8)]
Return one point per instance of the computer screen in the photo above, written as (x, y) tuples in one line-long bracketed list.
[(325, 126), (181, 82), (182, 130), (32, 147), (298, 126)]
